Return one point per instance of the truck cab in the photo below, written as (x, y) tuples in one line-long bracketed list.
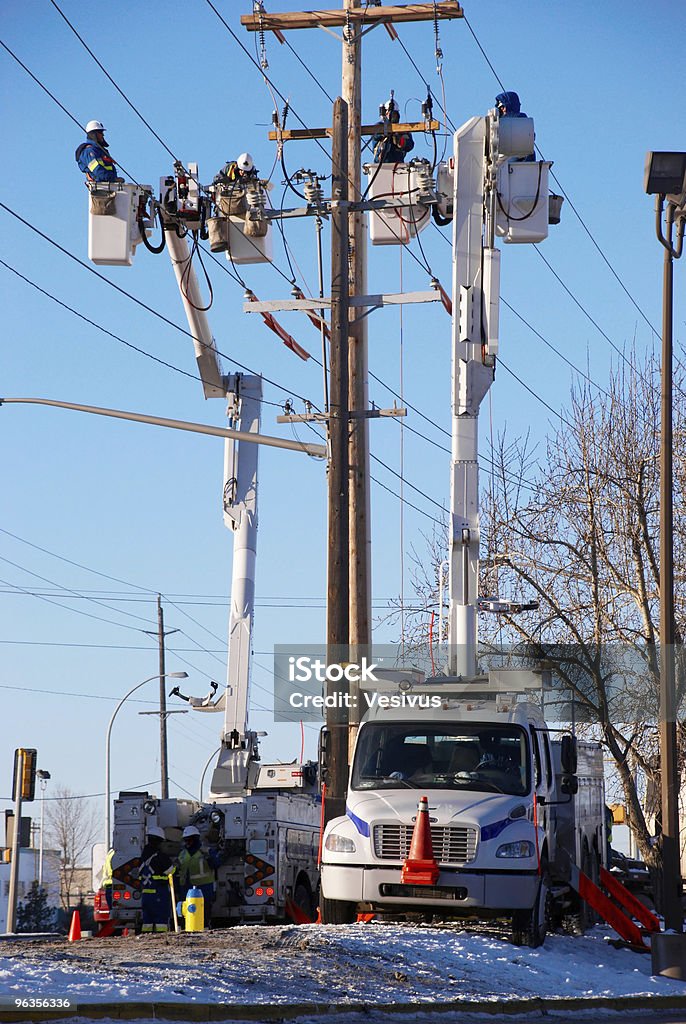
[(494, 785)]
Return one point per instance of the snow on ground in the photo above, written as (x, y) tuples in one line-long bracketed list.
[(370, 963)]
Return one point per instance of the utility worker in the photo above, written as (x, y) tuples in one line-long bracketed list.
[(107, 877), (154, 874), (508, 105), (391, 148), (236, 171), (196, 868), (93, 156)]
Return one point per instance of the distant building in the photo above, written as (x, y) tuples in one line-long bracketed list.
[(28, 874)]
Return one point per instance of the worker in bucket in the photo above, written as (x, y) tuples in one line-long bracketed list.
[(197, 868), (508, 104), (93, 155), (153, 873), (234, 172), (390, 148)]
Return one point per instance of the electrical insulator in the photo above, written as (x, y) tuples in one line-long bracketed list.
[(424, 182), (256, 199), (313, 192)]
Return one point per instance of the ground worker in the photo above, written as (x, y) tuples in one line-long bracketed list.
[(196, 868), (391, 148), (154, 877), (107, 877), (93, 156)]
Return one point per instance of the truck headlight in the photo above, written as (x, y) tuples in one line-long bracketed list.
[(523, 848), (339, 844)]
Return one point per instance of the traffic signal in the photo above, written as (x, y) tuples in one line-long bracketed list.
[(28, 772)]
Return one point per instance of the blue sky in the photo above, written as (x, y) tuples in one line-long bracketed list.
[(138, 508)]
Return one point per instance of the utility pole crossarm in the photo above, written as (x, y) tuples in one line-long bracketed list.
[(265, 22), (295, 134)]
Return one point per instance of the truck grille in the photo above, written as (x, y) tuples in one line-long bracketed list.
[(452, 844)]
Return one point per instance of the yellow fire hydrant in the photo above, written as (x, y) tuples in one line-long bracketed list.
[(193, 910)]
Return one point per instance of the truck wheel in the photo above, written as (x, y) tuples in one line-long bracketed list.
[(337, 911), (530, 927)]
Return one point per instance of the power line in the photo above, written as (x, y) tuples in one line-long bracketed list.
[(553, 348), (571, 204), (40, 84), (76, 611), (109, 76), (100, 604), (586, 314), (144, 305), (99, 327), (404, 480), (284, 100), (536, 396)]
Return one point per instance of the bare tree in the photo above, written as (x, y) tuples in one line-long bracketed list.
[(72, 823)]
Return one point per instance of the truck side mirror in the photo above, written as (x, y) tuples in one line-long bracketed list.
[(568, 754), (569, 785), (324, 753)]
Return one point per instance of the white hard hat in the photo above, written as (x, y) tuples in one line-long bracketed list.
[(155, 830), (95, 126), (190, 830), (245, 162)]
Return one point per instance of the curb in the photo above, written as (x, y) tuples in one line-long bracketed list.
[(291, 1011)]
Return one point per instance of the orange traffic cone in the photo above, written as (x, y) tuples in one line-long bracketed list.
[(75, 927), (421, 868)]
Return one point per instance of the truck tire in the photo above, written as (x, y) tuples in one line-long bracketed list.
[(337, 911), (530, 927)]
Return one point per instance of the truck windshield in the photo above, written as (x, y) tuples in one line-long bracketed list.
[(477, 756)]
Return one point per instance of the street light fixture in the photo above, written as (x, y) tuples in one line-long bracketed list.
[(665, 178), (167, 675), (43, 776), (665, 173)]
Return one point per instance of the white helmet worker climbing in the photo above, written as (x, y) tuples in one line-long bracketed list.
[(95, 126), (245, 162)]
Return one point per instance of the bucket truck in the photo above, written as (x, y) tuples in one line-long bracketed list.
[(262, 821), (513, 811)]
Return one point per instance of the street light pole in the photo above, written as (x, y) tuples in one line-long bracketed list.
[(168, 675), (666, 179)]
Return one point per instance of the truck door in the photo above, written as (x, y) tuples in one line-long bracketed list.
[(543, 784)]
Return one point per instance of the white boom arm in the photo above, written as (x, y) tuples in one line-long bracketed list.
[(205, 349), (498, 190), (240, 515), (472, 376)]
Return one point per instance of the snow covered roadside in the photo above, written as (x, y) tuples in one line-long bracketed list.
[(377, 963)]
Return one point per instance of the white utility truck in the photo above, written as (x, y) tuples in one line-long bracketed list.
[(261, 821), (510, 809)]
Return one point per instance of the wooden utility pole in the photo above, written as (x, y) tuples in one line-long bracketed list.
[(349, 233), (338, 588), (164, 768), (359, 513)]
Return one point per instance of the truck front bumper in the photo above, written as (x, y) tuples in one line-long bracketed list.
[(455, 891)]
